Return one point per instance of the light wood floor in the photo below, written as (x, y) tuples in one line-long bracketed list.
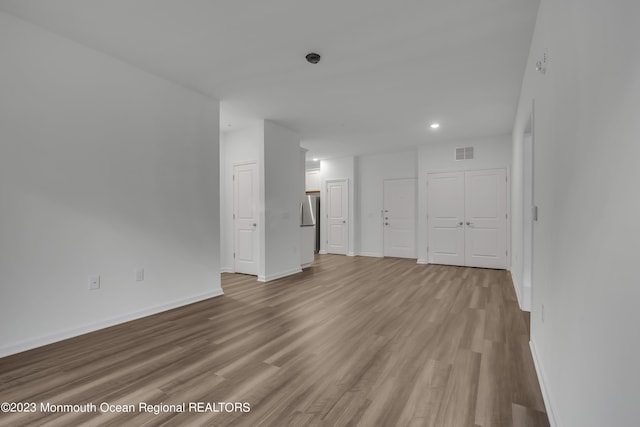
[(351, 341)]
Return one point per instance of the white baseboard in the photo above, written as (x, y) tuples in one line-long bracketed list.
[(543, 385), (351, 254), (92, 327), (322, 252), (422, 261), (370, 254), (516, 287), (523, 296), (526, 298), (280, 275), (226, 270), (307, 265)]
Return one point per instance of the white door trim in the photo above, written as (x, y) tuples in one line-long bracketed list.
[(528, 204)]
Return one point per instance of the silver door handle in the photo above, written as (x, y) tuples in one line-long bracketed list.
[(344, 221), (470, 224), (254, 224), (460, 224)]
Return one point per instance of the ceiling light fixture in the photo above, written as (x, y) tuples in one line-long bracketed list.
[(435, 125), (315, 159), (313, 58)]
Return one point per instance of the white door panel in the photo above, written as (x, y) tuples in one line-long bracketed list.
[(445, 203), (399, 218), (445, 239), (336, 195), (336, 235), (245, 245), (337, 217), (245, 194), (486, 222)]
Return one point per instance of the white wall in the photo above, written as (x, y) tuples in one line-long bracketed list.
[(342, 168), (240, 146), (586, 254), (489, 153), (276, 151), (284, 188), (104, 169), (372, 171)]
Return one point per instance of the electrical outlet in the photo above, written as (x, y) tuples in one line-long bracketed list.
[(94, 282), (140, 275), (542, 313)]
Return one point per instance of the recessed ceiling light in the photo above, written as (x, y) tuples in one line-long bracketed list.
[(315, 159), (435, 125)]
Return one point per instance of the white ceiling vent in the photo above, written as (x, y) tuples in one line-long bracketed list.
[(464, 153), (468, 153)]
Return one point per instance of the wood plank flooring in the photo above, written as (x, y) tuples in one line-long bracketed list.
[(350, 341)]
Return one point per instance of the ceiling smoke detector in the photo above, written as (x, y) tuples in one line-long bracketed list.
[(313, 58)]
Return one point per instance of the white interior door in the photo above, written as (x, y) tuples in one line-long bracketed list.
[(486, 218), (445, 204), (245, 213), (399, 216), (337, 217)]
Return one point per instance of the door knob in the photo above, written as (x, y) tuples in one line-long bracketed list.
[(386, 217), (470, 224), (460, 224), (386, 223), (344, 221), (254, 224)]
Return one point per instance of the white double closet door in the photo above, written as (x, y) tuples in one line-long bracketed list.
[(467, 218)]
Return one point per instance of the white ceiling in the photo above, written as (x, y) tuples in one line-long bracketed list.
[(388, 68)]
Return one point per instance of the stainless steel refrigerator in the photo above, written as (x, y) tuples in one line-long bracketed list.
[(313, 201)]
